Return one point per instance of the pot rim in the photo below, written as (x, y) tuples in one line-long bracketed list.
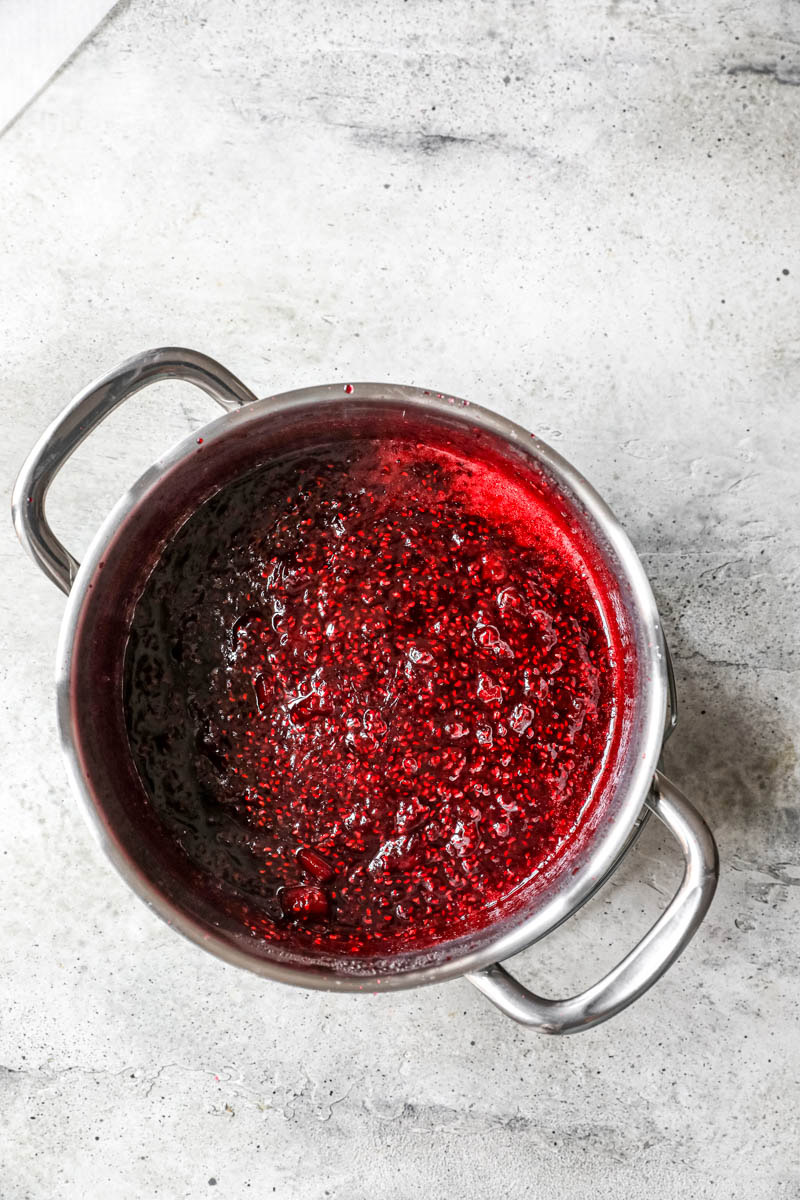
[(608, 846)]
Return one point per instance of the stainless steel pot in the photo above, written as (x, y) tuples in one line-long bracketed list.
[(101, 593)]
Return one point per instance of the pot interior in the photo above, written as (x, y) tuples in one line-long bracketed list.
[(130, 548)]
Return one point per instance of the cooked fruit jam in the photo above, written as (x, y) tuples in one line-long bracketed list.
[(370, 691)]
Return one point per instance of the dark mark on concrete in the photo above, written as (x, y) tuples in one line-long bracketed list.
[(778, 72)]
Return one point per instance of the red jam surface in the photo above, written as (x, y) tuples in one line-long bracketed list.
[(370, 692)]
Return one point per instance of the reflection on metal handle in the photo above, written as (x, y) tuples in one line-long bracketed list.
[(79, 418), (650, 959)]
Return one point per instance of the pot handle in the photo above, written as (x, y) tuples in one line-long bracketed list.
[(79, 418), (657, 950)]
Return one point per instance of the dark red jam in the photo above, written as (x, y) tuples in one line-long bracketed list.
[(370, 692)]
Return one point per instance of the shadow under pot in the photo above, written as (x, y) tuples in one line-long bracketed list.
[(363, 687)]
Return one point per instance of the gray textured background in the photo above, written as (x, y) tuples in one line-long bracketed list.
[(586, 217)]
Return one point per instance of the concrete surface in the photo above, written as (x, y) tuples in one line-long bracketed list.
[(586, 217)]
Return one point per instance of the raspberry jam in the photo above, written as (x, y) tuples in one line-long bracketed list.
[(370, 692)]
